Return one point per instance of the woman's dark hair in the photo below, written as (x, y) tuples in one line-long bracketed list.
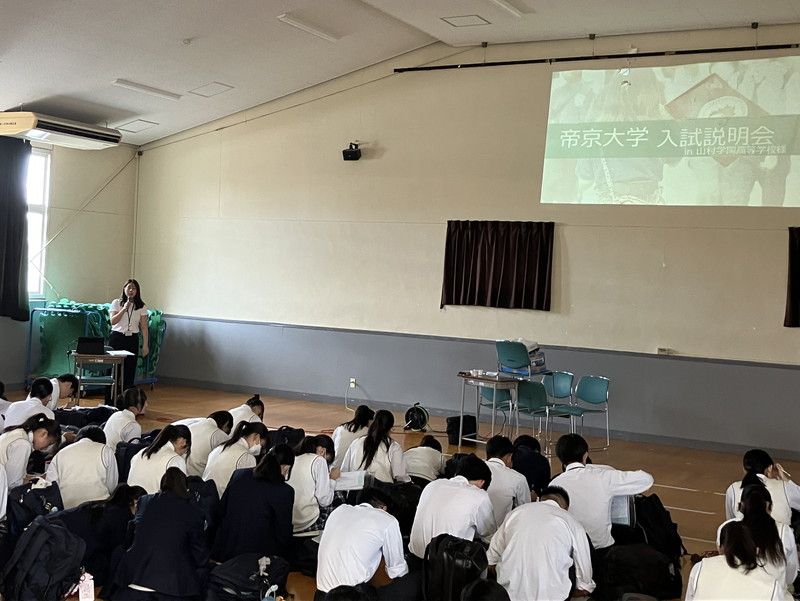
[(255, 401), (307, 445), (430, 441), (174, 481), (484, 590), (738, 546), (245, 429), (41, 388), (269, 468), (124, 496), (93, 433), (528, 442), (755, 461), (377, 435), (222, 419), (326, 442), (472, 467), (38, 421), (73, 381), (361, 419), (132, 397), (170, 433), (571, 448), (138, 303), (755, 508)]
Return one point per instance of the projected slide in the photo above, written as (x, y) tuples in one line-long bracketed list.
[(714, 134)]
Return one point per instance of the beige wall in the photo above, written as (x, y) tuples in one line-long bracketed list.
[(90, 257), (262, 220)]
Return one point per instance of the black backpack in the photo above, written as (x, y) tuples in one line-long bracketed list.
[(126, 450), (26, 501), (659, 530), (46, 564), (204, 493), (403, 501), (450, 564), (239, 578), (470, 430), (639, 568)]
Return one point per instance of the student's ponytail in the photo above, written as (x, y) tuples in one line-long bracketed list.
[(245, 429), (37, 422), (738, 546), (755, 461), (377, 434), (170, 433), (361, 419), (755, 504)]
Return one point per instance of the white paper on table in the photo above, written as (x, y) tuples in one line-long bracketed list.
[(350, 480), (119, 353)]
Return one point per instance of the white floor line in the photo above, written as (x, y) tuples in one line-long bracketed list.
[(699, 540), (690, 510), (708, 492)]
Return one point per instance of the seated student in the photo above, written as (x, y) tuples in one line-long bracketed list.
[(85, 470), (735, 573), (256, 509), (377, 453), (39, 397), (122, 426), (169, 449), (509, 488), (207, 434), (591, 488), (65, 388), (425, 462), (239, 452), (16, 444), (168, 559), (103, 526), (252, 410), (537, 545), (346, 433), (313, 484), (529, 461), (485, 590), (785, 494), (355, 540), (459, 506)]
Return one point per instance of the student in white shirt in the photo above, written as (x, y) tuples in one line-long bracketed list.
[(592, 487), (459, 506), (169, 449), (36, 403), (346, 433), (536, 546), (354, 541), (16, 444), (85, 470), (377, 453), (252, 410), (238, 453), (785, 494), (425, 463), (735, 574), (509, 488), (128, 315), (122, 426), (313, 483), (207, 434), (65, 388)]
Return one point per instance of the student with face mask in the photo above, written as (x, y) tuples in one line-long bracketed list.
[(38, 433), (238, 453), (169, 449)]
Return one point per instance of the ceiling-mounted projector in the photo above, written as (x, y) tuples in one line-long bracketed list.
[(59, 132)]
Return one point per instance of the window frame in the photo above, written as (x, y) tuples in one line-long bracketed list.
[(38, 264)]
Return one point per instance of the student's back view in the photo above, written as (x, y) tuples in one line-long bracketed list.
[(785, 494)]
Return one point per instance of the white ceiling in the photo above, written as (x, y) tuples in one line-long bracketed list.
[(61, 56)]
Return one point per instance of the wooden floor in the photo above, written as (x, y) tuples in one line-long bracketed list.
[(690, 482)]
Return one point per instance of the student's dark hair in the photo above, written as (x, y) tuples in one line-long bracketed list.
[(484, 590), (754, 462), (307, 445), (429, 440), (245, 429), (326, 442), (472, 467), (38, 421), (377, 435), (554, 491), (571, 448), (255, 401), (123, 497), (72, 379), (138, 303), (755, 508), (361, 419), (269, 468), (170, 433), (41, 388), (349, 593), (376, 497), (174, 481), (498, 446), (528, 442), (93, 433), (3, 391), (132, 397), (738, 546), (222, 419)]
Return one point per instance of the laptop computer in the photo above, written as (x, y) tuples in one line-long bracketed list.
[(89, 345)]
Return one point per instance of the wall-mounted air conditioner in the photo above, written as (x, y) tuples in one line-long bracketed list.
[(57, 131)]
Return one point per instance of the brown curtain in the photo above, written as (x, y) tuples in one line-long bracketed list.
[(792, 318), (14, 155), (506, 264)]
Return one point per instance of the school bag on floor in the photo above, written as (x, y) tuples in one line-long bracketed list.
[(659, 530), (126, 450), (241, 578), (450, 564), (27, 501), (403, 499), (46, 564), (639, 568), (204, 493)]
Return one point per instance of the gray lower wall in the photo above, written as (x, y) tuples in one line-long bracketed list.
[(13, 351), (698, 402)]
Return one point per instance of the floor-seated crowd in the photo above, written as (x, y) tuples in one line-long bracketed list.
[(546, 538)]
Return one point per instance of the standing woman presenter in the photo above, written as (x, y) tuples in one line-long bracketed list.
[(128, 318)]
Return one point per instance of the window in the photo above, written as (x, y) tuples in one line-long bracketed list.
[(38, 196)]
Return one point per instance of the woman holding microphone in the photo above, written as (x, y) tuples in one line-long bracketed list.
[(128, 318)]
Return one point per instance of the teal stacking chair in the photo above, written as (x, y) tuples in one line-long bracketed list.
[(590, 396), (512, 360), (558, 385)]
